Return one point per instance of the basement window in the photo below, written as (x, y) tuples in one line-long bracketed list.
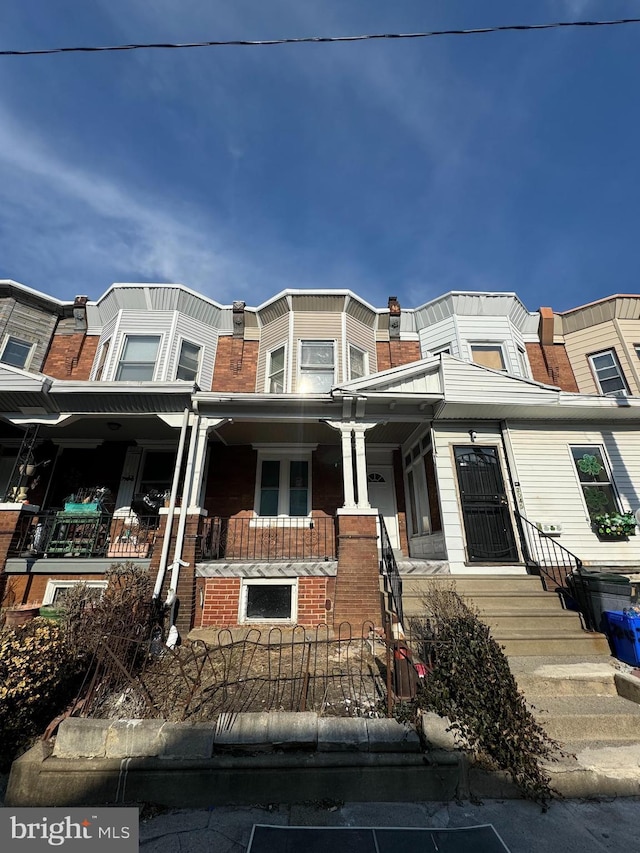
[(268, 600), (57, 590)]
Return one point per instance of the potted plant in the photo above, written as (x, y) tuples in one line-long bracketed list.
[(615, 525)]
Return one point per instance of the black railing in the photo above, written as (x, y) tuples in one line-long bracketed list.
[(551, 559), (390, 571), (54, 533), (269, 539)]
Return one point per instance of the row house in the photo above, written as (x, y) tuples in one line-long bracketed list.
[(262, 461)]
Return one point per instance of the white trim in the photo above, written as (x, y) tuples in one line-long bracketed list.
[(495, 344), (181, 339), (123, 341), (29, 356), (54, 585), (284, 457), (301, 341), (245, 583), (285, 373), (622, 392), (365, 360)]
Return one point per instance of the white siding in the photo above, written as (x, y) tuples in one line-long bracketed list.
[(445, 437), (318, 327), (196, 333), (470, 383), (440, 335), (273, 335), (362, 336), (479, 330), (587, 341), (551, 492), (106, 335)]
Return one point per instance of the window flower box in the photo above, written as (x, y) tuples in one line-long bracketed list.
[(615, 525)]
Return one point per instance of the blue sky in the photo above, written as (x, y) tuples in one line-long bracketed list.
[(495, 162)]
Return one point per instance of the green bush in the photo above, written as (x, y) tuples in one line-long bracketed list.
[(472, 684)]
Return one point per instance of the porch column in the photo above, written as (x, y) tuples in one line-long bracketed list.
[(194, 498), (361, 465), (347, 467)]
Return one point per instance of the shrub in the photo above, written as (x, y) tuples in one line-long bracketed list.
[(36, 675), (472, 684)]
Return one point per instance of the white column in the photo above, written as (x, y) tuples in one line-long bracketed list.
[(361, 467), (347, 467), (202, 443)]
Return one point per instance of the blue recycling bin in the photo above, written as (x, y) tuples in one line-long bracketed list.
[(623, 631)]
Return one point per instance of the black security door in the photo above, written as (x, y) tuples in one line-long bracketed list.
[(485, 511)]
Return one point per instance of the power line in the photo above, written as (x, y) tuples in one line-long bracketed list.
[(322, 39)]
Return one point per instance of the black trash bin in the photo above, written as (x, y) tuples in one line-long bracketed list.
[(596, 592)]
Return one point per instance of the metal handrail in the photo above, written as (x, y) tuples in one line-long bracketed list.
[(390, 570), (268, 539), (549, 557)]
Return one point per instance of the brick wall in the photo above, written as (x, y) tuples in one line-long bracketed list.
[(236, 365), (186, 591), (8, 524), (230, 487), (71, 356), (31, 588), (357, 593), (394, 353), (550, 364), (221, 598)]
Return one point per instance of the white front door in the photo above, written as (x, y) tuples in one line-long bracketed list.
[(382, 496)]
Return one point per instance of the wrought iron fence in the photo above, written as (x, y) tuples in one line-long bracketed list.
[(350, 671), (268, 539), (390, 571), (338, 672), (90, 534)]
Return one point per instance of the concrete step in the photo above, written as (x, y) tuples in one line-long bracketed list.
[(469, 584), (572, 644), (544, 623), (589, 718), (581, 678), (491, 602)]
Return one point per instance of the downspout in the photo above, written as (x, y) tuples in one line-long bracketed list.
[(182, 523), (172, 505)]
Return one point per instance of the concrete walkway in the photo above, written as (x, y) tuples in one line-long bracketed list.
[(570, 826)]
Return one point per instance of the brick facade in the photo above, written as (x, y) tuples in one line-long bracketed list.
[(357, 595), (550, 364), (394, 353), (221, 601), (236, 365), (25, 588), (71, 356)]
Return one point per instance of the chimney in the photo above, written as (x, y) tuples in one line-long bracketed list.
[(80, 313), (546, 326), (394, 317), (238, 319)]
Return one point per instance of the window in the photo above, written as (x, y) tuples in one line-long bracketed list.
[(268, 600), (189, 362), (56, 590), (16, 352), (595, 479), (283, 487), (609, 375), (358, 363), (138, 359), (101, 361), (275, 371), (317, 366), (440, 350), (488, 355)]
